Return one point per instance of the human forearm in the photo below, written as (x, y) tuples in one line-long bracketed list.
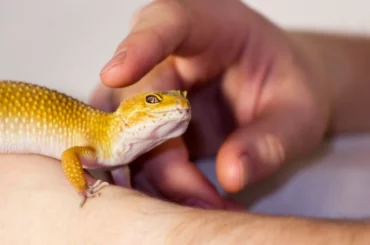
[(38, 206), (343, 60), (218, 227)]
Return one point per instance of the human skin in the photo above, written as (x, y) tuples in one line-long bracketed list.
[(38, 203), (38, 206)]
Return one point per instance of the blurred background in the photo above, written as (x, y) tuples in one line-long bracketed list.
[(64, 44)]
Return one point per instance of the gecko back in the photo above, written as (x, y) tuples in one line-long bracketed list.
[(35, 119)]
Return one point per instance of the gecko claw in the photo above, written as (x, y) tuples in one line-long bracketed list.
[(83, 200), (92, 191)]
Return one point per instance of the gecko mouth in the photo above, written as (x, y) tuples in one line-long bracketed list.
[(186, 110), (154, 135)]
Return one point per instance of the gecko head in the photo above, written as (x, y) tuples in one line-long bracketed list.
[(155, 115)]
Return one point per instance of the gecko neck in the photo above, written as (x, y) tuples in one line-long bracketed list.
[(119, 142)]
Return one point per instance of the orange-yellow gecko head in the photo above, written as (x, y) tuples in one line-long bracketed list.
[(147, 120), (148, 109)]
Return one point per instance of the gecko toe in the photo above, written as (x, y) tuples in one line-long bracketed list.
[(92, 191), (98, 185)]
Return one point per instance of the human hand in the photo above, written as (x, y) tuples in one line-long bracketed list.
[(259, 98)]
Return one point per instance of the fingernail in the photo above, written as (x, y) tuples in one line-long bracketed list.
[(118, 59), (193, 202)]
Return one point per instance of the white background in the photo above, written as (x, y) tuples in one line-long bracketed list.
[(64, 44)]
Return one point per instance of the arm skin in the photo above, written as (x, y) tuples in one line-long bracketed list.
[(39, 206)]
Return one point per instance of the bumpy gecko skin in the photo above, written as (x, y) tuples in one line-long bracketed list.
[(38, 120)]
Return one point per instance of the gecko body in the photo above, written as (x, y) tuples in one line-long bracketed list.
[(38, 120)]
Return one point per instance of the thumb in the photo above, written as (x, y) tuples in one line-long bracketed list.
[(257, 150)]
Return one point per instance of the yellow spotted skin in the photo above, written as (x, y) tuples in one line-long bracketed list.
[(38, 120), (73, 168), (39, 117)]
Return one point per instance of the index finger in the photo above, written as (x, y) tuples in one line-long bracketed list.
[(159, 30), (181, 28)]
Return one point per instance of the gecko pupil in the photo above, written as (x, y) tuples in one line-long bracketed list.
[(152, 99)]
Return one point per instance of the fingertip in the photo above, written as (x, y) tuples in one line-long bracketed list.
[(231, 169), (123, 69), (112, 73), (115, 77), (247, 156), (158, 30), (138, 54)]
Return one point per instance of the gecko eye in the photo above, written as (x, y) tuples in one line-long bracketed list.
[(151, 99)]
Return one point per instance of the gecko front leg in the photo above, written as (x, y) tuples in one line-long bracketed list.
[(74, 171)]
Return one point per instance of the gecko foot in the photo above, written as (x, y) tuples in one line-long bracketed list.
[(92, 191)]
